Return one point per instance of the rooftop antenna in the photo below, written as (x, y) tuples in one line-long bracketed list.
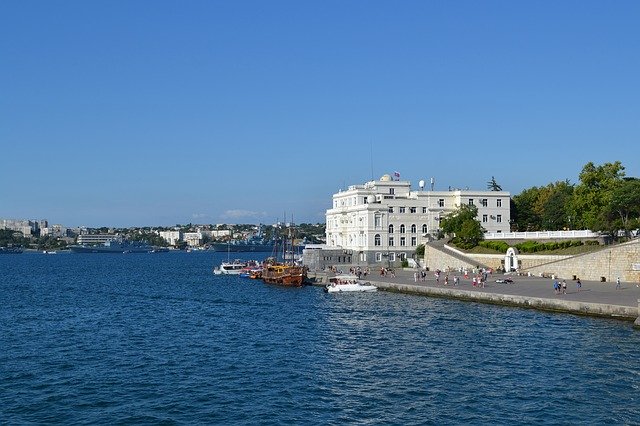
[(433, 182)]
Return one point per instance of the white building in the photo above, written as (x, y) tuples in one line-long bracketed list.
[(93, 239), (55, 231), (172, 237), (193, 239), (383, 221)]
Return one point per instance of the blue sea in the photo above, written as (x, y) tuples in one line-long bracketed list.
[(158, 339)]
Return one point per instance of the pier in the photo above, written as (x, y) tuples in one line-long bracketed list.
[(600, 299)]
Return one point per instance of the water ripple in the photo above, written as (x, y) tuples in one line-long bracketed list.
[(160, 340)]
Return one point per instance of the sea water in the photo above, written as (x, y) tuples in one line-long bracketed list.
[(157, 338)]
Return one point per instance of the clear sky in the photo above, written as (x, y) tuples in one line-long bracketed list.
[(131, 113)]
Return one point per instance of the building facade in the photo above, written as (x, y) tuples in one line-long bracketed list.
[(383, 221), (172, 237)]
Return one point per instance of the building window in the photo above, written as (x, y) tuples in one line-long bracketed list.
[(391, 229), (441, 202), (402, 229), (499, 202), (378, 257), (425, 228), (376, 240), (414, 241), (499, 218), (376, 221), (412, 209), (391, 191), (485, 219), (470, 201), (365, 201), (390, 209), (402, 256), (402, 210), (403, 241), (413, 228), (424, 210), (392, 257), (391, 242), (484, 202)]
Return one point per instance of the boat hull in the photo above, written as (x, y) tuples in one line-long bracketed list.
[(284, 275), (112, 248), (340, 288)]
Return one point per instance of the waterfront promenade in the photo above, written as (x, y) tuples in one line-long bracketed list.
[(594, 298)]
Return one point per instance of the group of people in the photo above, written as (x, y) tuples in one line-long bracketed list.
[(560, 287), (359, 272), (384, 272)]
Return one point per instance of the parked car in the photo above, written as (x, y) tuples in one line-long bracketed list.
[(506, 280)]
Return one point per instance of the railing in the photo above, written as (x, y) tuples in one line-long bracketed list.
[(585, 233)]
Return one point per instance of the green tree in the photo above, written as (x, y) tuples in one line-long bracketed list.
[(552, 205), (470, 234), (464, 225), (594, 193), (492, 185), (623, 212), (524, 213)]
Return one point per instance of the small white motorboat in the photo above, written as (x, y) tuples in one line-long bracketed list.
[(343, 283), (230, 268)]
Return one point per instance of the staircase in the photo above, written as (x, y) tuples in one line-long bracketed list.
[(454, 255)]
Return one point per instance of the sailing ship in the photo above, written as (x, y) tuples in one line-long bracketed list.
[(285, 272)]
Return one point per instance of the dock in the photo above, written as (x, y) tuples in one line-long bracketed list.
[(599, 299)]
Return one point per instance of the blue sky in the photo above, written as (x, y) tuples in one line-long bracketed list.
[(130, 113)]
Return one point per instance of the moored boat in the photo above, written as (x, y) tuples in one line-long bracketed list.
[(113, 246), (282, 274), (230, 268), (345, 283), (10, 250)]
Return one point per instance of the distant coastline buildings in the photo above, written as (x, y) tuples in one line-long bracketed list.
[(382, 222)]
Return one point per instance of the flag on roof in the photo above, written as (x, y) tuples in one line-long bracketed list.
[(396, 175)]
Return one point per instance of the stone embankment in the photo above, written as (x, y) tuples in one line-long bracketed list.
[(629, 313), (592, 298)]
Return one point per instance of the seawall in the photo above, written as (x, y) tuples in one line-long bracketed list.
[(629, 313)]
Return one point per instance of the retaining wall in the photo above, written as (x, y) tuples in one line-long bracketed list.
[(609, 263), (575, 307)]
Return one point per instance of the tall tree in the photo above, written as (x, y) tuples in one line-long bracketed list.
[(525, 215), (623, 212), (594, 193), (492, 185), (463, 223)]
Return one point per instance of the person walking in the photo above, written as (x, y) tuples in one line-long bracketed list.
[(578, 284), (564, 287), (618, 283)]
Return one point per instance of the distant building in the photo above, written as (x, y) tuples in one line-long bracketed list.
[(27, 227), (193, 239), (383, 221), (172, 237), (56, 231), (95, 239)]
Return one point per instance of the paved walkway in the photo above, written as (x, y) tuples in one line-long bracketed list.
[(535, 287)]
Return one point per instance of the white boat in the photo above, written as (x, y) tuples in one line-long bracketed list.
[(230, 268), (343, 283)]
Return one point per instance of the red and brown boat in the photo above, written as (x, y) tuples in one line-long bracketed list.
[(286, 275)]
